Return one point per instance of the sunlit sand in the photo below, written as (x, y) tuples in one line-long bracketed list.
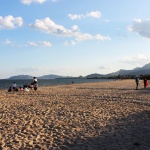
[(94, 116)]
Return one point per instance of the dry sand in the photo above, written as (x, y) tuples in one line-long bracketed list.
[(91, 116)]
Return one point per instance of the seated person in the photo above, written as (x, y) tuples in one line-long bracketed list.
[(31, 86), (14, 86), (26, 89), (10, 89), (25, 86), (20, 88), (16, 89)]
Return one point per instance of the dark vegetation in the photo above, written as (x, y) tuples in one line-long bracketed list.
[(147, 76)]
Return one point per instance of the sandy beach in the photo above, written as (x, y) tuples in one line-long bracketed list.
[(91, 116)]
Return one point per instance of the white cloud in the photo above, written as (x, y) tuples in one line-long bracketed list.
[(32, 43), (75, 28), (136, 60), (44, 43), (7, 42), (93, 14), (141, 26), (48, 26), (101, 37), (10, 22), (47, 44), (28, 2), (85, 36), (75, 17)]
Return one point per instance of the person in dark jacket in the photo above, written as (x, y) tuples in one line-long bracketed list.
[(137, 82)]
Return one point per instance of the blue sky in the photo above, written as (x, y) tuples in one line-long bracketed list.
[(73, 37)]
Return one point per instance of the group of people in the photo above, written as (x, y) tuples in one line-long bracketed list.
[(33, 85), (145, 81)]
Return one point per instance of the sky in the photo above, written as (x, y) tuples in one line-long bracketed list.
[(73, 37)]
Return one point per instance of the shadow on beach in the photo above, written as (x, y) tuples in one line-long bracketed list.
[(126, 133), (131, 133)]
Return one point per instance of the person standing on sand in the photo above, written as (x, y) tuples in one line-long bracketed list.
[(35, 83), (145, 83), (137, 82), (35, 86), (35, 80)]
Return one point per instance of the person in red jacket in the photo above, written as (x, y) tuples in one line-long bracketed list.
[(145, 83)]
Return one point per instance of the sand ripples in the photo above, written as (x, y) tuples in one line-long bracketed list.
[(85, 116)]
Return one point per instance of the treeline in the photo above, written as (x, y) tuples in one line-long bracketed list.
[(147, 76)]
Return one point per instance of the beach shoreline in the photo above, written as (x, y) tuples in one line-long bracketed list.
[(105, 115)]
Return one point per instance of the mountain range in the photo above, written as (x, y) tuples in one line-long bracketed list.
[(51, 76), (122, 72), (136, 71)]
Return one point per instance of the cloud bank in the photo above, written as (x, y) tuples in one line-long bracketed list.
[(48, 26)]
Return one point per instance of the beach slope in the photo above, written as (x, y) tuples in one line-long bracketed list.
[(91, 116)]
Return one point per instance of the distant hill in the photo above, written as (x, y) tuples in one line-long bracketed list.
[(145, 67), (95, 75), (136, 71), (20, 77), (51, 76)]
